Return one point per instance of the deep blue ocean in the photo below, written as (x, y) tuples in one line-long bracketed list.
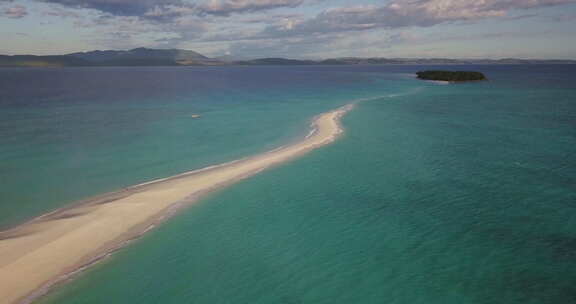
[(436, 194)]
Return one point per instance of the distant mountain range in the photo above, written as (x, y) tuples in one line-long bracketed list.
[(176, 57)]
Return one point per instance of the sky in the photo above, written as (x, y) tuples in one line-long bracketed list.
[(314, 29)]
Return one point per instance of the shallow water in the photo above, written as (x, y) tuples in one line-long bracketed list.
[(435, 194), (67, 134)]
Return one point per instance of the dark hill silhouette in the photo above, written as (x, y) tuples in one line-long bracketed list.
[(177, 57)]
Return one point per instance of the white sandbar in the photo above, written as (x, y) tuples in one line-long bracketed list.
[(49, 249)]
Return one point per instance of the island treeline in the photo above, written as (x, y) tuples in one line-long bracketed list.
[(452, 76)]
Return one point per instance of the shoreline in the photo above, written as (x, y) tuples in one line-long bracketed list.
[(51, 249)]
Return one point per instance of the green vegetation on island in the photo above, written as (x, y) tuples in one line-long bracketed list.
[(452, 76)]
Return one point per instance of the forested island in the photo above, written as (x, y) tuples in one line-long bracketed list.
[(452, 76)]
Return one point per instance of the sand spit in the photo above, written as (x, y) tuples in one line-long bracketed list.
[(51, 248)]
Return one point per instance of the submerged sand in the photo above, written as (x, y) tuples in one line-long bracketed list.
[(49, 249)]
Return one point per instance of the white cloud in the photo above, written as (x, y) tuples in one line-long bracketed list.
[(227, 7), (17, 11), (406, 13)]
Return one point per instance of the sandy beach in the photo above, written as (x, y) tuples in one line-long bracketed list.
[(50, 249)]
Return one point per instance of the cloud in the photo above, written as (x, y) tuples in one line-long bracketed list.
[(173, 8), (329, 30), (178, 21), (245, 27), (117, 7), (228, 7), (62, 13), (132, 31), (315, 46), (563, 18), (405, 13), (218, 8), (16, 12), (518, 4)]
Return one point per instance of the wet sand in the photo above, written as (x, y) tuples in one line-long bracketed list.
[(52, 248)]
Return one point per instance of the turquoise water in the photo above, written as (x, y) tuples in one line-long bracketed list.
[(435, 194), (81, 132)]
